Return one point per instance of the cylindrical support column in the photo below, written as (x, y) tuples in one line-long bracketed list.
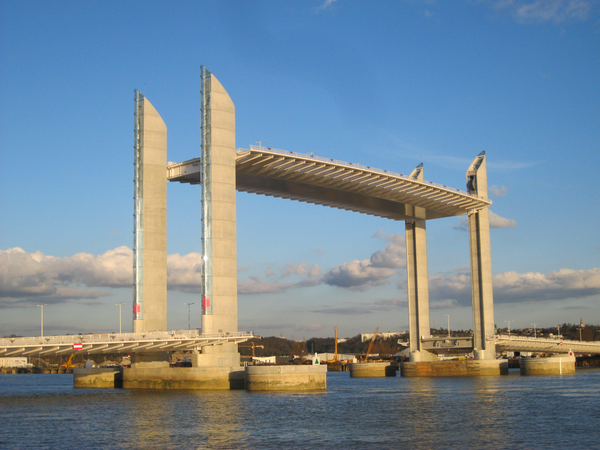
[(418, 288)]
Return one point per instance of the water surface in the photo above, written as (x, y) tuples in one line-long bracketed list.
[(512, 412)]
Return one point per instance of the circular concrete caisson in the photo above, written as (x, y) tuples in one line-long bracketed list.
[(373, 369), (286, 378), (553, 365)]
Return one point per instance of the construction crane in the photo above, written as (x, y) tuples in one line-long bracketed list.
[(253, 346), (335, 356), (68, 364), (371, 345)]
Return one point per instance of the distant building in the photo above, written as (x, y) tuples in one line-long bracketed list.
[(265, 359), (13, 362), (367, 337)]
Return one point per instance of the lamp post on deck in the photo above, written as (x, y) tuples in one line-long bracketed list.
[(535, 330), (119, 305), (509, 321), (42, 306), (448, 316), (188, 305)]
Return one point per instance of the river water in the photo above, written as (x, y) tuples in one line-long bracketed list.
[(512, 412)]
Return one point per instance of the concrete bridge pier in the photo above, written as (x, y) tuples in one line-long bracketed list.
[(560, 364), (417, 278), (422, 362), (481, 264)]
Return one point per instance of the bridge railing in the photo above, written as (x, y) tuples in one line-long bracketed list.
[(539, 339), (118, 337), (355, 165)]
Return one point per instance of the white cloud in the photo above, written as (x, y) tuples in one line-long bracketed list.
[(256, 286), (497, 191), (326, 4), (513, 287), (360, 275), (496, 221), (309, 276), (184, 272), (25, 277), (500, 222), (556, 11)]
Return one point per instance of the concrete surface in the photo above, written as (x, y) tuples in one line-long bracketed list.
[(286, 378)]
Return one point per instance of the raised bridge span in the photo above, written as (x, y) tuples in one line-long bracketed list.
[(338, 184)]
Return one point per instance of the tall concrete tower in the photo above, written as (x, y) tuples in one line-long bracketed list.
[(481, 263), (218, 230), (150, 218), (219, 247)]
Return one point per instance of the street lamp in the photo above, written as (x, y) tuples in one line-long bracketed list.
[(42, 306), (448, 316), (534, 330), (188, 305), (508, 321), (119, 305)]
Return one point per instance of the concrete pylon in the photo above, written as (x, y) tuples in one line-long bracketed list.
[(150, 218), (417, 277), (481, 264), (218, 230)]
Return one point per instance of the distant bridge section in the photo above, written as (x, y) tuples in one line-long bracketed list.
[(338, 184), (159, 341), (443, 345), (545, 345)]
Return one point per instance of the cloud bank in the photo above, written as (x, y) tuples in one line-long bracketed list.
[(513, 287), (30, 278)]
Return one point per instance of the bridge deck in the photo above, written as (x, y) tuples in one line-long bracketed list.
[(442, 345), (337, 184), (117, 343)]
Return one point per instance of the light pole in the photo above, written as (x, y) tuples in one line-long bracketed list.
[(42, 306), (119, 305), (188, 305), (448, 316), (535, 330), (508, 321)]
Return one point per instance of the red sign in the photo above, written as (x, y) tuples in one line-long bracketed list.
[(137, 308), (77, 346), (205, 302)]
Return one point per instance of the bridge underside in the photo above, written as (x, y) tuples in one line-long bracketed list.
[(337, 184)]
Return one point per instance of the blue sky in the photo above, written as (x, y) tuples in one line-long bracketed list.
[(388, 83)]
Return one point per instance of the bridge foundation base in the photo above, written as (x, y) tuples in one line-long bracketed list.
[(286, 378), (98, 378), (465, 368), (199, 378), (552, 365), (373, 369)]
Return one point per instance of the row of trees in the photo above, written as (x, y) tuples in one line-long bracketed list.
[(276, 346)]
